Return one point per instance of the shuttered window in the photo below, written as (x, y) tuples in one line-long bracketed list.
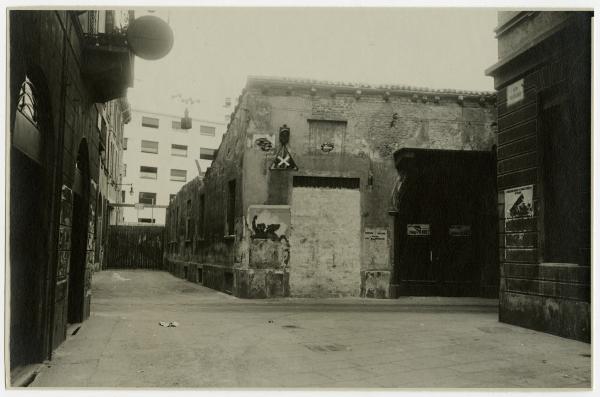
[(207, 154), (179, 150), (176, 125), (150, 122), (149, 147), (147, 198), (326, 136), (148, 172), (178, 175), (207, 130)]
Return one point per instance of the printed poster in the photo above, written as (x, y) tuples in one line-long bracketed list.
[(518, 202)]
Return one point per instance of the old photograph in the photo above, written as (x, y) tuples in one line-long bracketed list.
[(298, 198)]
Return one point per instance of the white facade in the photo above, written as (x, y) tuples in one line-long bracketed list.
[(160, 158)]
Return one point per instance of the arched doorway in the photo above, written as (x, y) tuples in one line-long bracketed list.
[(31, 170), (79, 237)]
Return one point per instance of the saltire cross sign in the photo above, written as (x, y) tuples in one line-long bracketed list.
[(283, 158)]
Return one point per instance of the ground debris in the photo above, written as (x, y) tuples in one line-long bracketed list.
[(170, 324)]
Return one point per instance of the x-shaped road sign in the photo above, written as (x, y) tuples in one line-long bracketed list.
[(283, 162)]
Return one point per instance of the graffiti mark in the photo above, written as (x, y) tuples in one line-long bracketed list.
[(264, 144)]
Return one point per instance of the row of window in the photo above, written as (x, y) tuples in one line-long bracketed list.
[(153, 122), (176, 150), (152, 173)]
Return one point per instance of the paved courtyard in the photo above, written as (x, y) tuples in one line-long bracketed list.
[(222, 341)]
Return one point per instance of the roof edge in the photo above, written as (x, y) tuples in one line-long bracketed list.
[(253, 81)]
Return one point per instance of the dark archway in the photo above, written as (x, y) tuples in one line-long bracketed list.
[(31, 185), (79, 236)]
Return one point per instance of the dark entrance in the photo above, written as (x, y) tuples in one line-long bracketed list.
[(445, 224), (79, 236), (31, 165)]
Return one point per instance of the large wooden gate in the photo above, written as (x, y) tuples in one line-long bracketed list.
[(135, 247)]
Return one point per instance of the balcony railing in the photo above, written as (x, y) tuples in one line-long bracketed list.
[(107, 59)]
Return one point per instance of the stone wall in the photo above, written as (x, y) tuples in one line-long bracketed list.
[(340, 134), (45, 47)]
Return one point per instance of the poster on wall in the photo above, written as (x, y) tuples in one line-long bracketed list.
[(518, 202)]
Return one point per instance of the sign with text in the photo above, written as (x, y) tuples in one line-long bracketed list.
[(418, 229), (375, 234), (460, 230), (518, 202), (515, 93)]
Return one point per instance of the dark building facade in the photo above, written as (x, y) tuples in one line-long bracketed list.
[(68, 76), (543, 78), (302, 197)]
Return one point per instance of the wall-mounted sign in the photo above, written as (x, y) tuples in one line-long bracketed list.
[(375, 234), (515, 93), (327, 147), (418, 229), (459, 230), (518, 202)]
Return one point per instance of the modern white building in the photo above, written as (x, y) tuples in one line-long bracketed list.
[(159, 157)]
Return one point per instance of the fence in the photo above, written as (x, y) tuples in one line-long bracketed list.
[(135, 247)]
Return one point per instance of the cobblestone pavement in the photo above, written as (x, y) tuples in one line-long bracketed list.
[(222, 341)]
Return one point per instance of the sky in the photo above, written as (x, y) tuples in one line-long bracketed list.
[(215, 49)]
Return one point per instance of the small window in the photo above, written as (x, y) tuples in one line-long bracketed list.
[(178, 175), (122, 196), (147, 198), (176, 125), (146, 220), (179, 150), (149, 122), (207, 154), (149, 147), (125, 143), (124, 169), (207, 130), (148, 172)]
